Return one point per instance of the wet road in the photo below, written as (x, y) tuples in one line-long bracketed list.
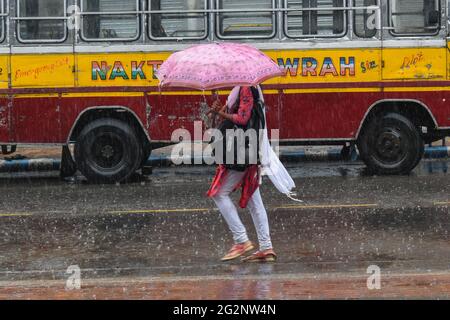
[(161, 238)]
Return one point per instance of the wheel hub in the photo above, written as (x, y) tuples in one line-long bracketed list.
[(389, 145), (107, 151)]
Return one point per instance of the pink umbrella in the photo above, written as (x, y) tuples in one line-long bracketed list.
[(217, 65)]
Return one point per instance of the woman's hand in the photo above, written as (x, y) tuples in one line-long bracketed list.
[(216, 107)]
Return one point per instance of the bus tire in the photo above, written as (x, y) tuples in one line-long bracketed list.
[(391, 144), (108, 151)]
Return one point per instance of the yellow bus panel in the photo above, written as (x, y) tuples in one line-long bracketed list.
[(4, 69), (122, 69), (414, 63), (313, 66), (36, 71)]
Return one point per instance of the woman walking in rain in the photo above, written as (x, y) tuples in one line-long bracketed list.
[(221, 65), (238, 110)]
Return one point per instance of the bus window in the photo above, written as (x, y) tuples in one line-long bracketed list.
[(365, 20), (38, 20), (448, 17), (106, 20), (175, 22), (313, 18), (409, 17), (3, 15), (246, 24)]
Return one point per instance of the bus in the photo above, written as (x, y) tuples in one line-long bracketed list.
[(370, 73)]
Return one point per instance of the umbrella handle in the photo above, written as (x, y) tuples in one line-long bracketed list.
[(222, 109), (215, 95)]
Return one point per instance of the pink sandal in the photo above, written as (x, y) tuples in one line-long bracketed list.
[(238, 250), (262, 256)]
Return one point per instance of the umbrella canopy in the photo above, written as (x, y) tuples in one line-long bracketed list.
[(217, 65)]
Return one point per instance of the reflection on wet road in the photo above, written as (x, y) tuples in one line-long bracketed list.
[(160, 237)]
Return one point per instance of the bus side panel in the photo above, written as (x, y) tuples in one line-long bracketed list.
[(448, 59), (4, 120), (42, 71), (118, 69), (335, 115), (170, 112), (273, 102), (5, 123), (326, 115), (75, 105), (36, 119), (414, 63), (326, 92), (434, 98)]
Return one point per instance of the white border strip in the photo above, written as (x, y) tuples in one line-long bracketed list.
[(297, 45), (41, 49)]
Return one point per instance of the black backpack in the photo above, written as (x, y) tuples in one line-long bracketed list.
[(257, 123)]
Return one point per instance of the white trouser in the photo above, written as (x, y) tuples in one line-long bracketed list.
[(231, 216)]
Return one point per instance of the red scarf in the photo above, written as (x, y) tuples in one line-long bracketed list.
[(249, 183)]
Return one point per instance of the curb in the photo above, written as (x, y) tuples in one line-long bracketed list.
[(29, 165), (164, 161), (437, 152)]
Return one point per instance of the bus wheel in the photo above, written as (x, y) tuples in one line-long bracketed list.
[(391, 144), (107, 151)]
